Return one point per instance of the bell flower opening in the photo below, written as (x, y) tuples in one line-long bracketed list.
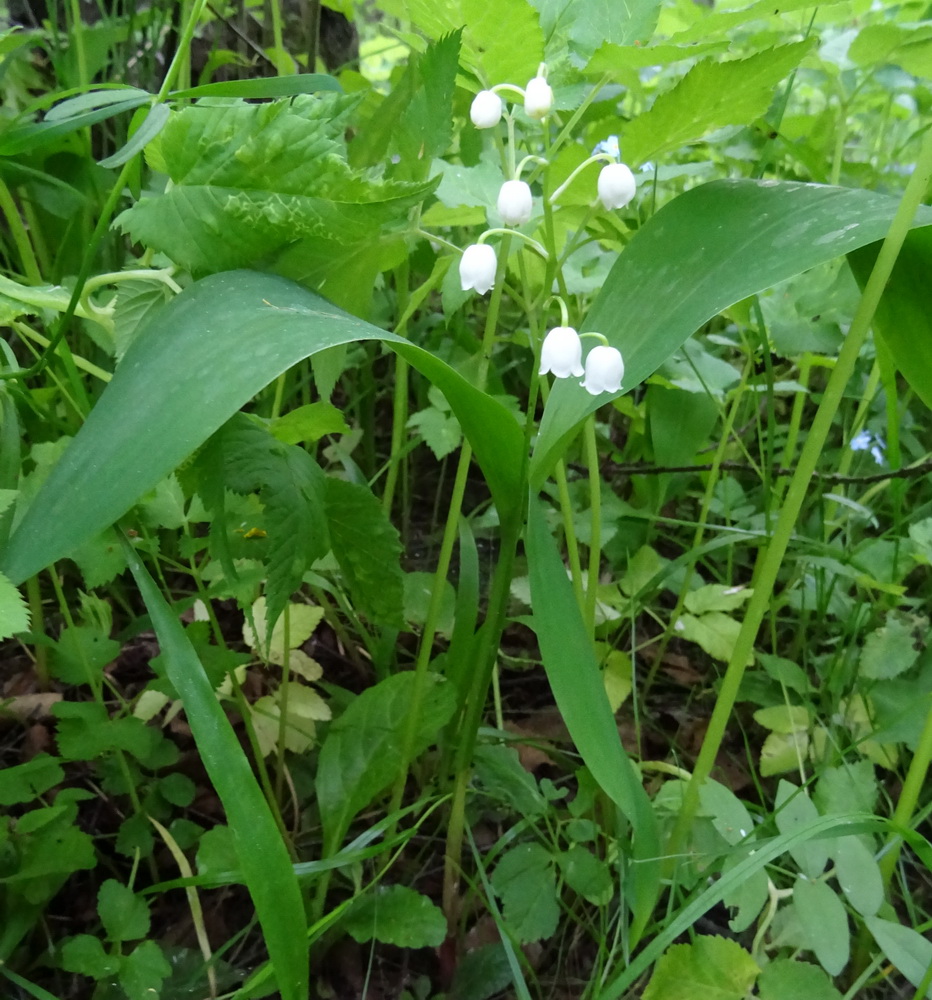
[(538, 98), (616, 185), (604, 370), (515, 203), (561, 353), (477, 268), (486, 109)]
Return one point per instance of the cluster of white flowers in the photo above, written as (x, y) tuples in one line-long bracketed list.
[(561, 352)]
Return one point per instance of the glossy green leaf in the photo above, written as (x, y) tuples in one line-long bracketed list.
[(702, 252), (203, 357), (579, 690), (263, 858), (903, 319)]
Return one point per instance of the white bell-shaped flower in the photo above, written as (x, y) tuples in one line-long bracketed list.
[(477, 268), (617, 185), (538, 98), (604, 370), (486, 109), (561, 353), (515, 203)]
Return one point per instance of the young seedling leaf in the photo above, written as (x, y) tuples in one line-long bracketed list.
[(396, 915)]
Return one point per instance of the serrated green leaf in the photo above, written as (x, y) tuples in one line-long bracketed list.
[(143, 971), (524, 880), (785, 672), (309, 423), (906, 948), (714, 968), (426, 127), (86, 732), (362, 753), (825, 923), (784, 979), (396, 915), (587, 875), (81, 653), (889, 650), (441, 431), (85, 955), (715, 632), (24, 782), (125, 915), (250, 179), (587, 24), (359, 527), (858, 875), (502, 778), (137, 302), (840, 790), (711, 95), (14, 612)]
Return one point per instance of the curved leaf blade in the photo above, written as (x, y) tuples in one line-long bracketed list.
[(263, 859), (203, 357), (704, 251)]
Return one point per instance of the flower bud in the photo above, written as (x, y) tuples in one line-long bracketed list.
[(616, 185), (486, 109), (538, 98), (604, 370), (561, 353), (477, 268), (514, 203)]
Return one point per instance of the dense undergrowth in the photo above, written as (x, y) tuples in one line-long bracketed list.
[(372, 632)]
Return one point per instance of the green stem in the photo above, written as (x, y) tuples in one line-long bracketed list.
[(771, 558), (283, 703), (595, 513), (20, 236)]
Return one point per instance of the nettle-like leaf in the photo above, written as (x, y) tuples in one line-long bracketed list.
[(889, 650), (397, 915), (525, 882), (359, 526), (14, 613), (715, 968), (711, 95), (251, 179), (291, 487)]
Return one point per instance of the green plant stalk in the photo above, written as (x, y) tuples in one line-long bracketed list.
[(450, 532), (771, 558), (20, 236), (283, 704), (34, 596), (77, 40), (908, 799), (399, 389), (595, 512)]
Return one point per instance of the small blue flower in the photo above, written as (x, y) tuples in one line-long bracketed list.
[(861, 441), (609, 145), (868, 441)]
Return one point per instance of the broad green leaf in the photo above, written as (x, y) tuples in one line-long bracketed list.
[(782, 752), (359, 526), (502, 42), (711, 24), (14, 612), (252, 179), (125, 915), (907, 46), (851, 786), (702, 252), (263, 858), (245, 328), (426, 127), (825, 923), (785, 672), (502, 778), (889, 650), (362, 753), (587, 875), (715, 968), (81, 654), (711, 95), (902, 317), (859, 876), (579, 690), (716, 597), (728, 813), (441, 431), (24, 782), (747, 898), (906, 948), (302, 620), (623, 61), (784, 979), (795, 810), (143, 970), (524, 880), (396, 915), (586, 24), (85, 955), (309, 423)]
